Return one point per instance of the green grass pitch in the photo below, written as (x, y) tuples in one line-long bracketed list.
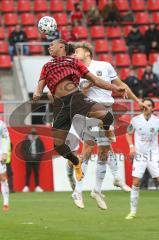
[(53, 216)]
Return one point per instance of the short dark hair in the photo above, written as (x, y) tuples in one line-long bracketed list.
[(150, 100), (69, 48)]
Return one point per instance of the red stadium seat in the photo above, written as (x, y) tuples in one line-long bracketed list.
[(10, 29), (122, 5), (87, 4), (127, 30), (142, 18), (40, 6), (1, 108), (56, 6), (137, 5), (114, 32), (143, 28), (31, 32), (140, 72), (156, 104), (81, 32), (40, 15), (101, 46), (153, 57), (124, 73), (27, 19), (155, 17), (122, 60), (10, 19), (139, 60), (4, 48), (106, 58), (97, 32), (70, 5), (136, 107), (2, 33), (61, 18), (102, 4), (35, 49), (118, 45), (23, 6), (5, 61), (153, 5), (7, 6)]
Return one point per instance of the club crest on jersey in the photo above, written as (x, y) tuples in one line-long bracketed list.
[(99, 73), (152, 130)]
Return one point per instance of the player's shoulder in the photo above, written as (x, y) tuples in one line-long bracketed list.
[(155, 118), (137, 117), (101, 63)]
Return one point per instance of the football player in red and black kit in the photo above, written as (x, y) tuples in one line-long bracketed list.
[(62, 76)]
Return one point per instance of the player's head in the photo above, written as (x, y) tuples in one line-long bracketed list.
[(60, 48), (83, 51), (150, 103)]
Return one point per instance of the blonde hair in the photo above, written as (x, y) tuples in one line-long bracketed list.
[(85, 45)]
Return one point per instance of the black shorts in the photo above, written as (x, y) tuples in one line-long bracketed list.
[(65, 108)]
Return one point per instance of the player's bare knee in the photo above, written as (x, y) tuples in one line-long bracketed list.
[(136, 182), (157, 181), (3, 177)]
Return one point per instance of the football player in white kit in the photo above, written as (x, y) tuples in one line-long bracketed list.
[(3, 157), (82, 126), (144, 150)]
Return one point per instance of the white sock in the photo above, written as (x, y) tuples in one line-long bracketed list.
[(5, 192), (113, 164), (134, 196), (100, 174), (84, 166)]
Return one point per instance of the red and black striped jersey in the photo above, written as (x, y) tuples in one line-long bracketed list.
[(59, 68)]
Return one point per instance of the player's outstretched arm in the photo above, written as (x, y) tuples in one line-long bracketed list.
[(129, 138), (105, 85), (39, 90), (130, 94), (50, 96)]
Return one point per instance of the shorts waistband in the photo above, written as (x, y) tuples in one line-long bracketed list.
[(67, 96)]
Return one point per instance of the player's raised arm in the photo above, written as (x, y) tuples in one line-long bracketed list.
[(130, 94), (105, 85), (129, 138)]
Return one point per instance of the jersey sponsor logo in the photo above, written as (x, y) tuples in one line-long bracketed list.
[(99, 73)]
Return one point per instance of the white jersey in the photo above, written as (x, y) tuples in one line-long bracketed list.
[(146, 133), (4, 134), (105, 71)]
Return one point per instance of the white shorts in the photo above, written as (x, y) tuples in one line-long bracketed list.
[(149, 161), (86, 129), (3, 168)]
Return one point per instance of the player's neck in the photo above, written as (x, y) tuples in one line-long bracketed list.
[(147, 116), (87, 61)]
